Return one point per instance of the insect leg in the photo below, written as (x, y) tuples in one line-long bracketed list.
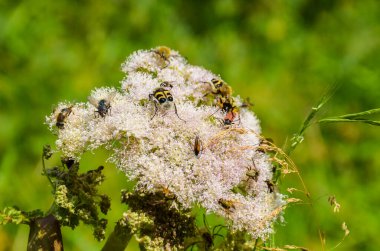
[(175, 109), (155, 110), (239, 119), (167, 61)]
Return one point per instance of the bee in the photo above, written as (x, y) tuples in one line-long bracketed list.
[(219, 87), (226, 204), (164, 54), (198, 146), (61, 117), (103, 105), (164, 98)]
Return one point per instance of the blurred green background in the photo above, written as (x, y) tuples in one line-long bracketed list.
[(282, 54)]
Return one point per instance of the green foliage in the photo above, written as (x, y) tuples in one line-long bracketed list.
[(299, 137), (354, 117), (166, 221), (156, 220), (12, 215), (76, 196), (282, 54)]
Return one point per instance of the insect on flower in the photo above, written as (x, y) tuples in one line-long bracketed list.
[(252, 172), (61, 117), (166, 84), (162, 96), (230, 117), (227, 105), (167, 193), (164, 54), (226, 204), (198, 146), (163, 195), (103, 105), (219, 87)]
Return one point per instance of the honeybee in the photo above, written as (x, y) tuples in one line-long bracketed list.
[(219, 87), (61, 117), (163, 97), (226, 204), (198, 146), (164, 54), (103, 105)]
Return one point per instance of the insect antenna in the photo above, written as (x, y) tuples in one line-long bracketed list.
[(214, 112)]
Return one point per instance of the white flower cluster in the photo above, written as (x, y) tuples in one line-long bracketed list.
[(173, 128)]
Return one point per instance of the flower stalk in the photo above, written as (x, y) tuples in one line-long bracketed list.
[(45, 234), (120, 237)]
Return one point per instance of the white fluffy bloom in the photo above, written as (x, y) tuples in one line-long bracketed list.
[(153, 143)]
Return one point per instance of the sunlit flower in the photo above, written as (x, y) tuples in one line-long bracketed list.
[(153, 142)]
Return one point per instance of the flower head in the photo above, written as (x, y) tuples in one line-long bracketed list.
[(164, 106)]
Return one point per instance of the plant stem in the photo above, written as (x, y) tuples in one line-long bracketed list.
[(142, 247), (44, 170), (298, 137), (119, 238), (337, 119), (359, 114), (45, 234), (354, 117)]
